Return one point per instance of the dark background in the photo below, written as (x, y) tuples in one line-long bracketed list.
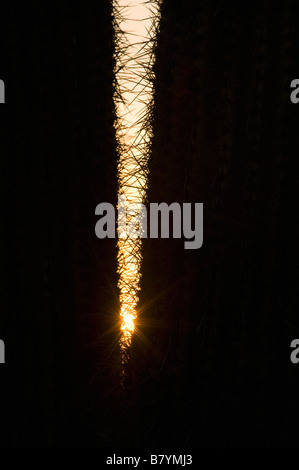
[(211, 368)]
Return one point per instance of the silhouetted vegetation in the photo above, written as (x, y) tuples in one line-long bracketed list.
[(58, 161), (212, 367), (219, 320)]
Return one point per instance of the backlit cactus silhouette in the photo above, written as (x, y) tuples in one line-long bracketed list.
[(135, 32)]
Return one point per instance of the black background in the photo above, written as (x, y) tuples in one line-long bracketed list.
[(212, 368)]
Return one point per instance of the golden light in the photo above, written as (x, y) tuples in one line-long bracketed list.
[(135, 26)]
